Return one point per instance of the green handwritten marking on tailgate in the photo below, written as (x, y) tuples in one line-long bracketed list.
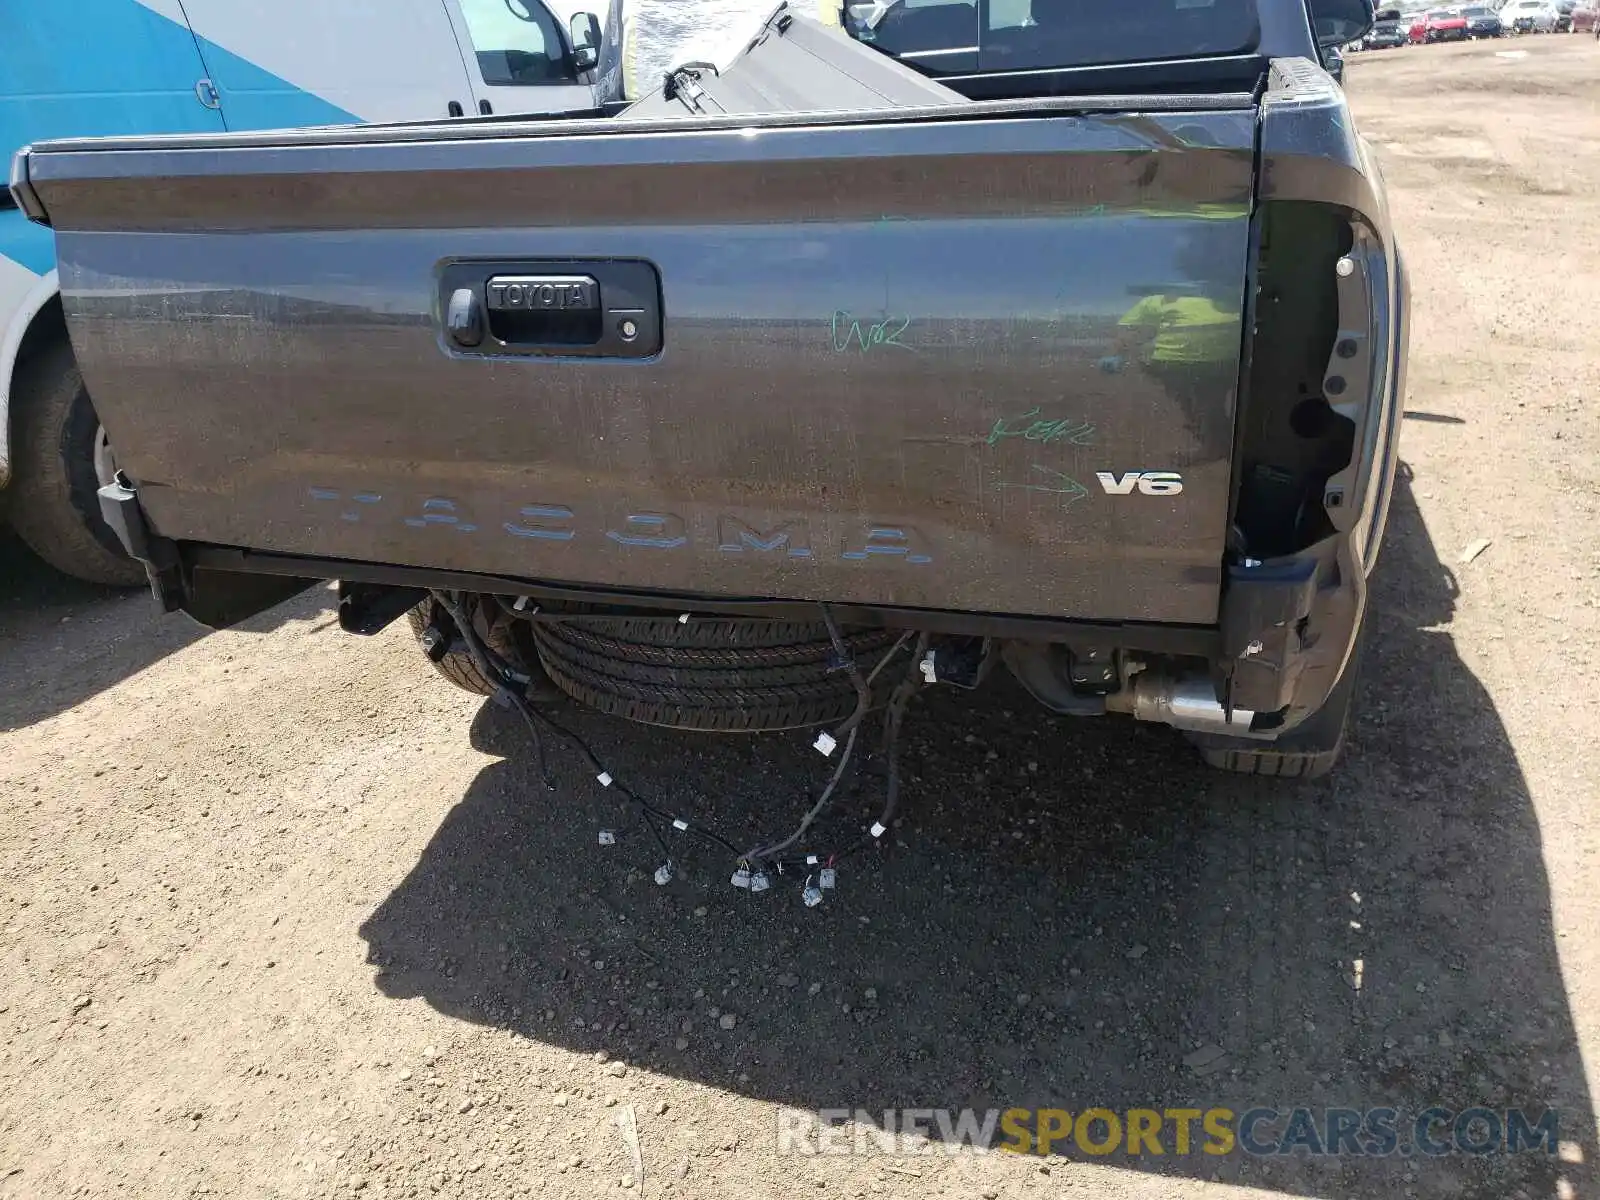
[(1031, 427), (886, 332), (1053, 482)]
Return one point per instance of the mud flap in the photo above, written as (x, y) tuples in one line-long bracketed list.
[(119, 505), (216, 599)]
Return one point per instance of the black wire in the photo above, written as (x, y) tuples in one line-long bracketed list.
[(891, 728), (849, 728), (816, 809), (650, 824), (594, 764), (863, 693), (538, 743), (493, 668), (481, 657), (496, 669), (891, 741)]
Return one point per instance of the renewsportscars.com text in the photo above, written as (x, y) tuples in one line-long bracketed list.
[(1177, 1132)]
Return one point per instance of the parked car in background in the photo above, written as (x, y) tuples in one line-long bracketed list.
[(1586, 19), (1387, 32), (1564, 10), (1444, 25), (1482, 22), (1528, 16)]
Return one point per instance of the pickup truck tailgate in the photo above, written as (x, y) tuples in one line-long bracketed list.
[(982, 362)]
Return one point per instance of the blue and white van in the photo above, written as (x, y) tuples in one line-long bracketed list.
[(74, 68)]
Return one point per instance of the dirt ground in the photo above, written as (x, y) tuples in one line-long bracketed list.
[(285, 916)]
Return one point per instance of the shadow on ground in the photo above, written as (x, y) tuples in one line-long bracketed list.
[(1073, 909), (63, 641)]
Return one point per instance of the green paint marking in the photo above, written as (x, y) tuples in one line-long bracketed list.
[(1055, 483), (1031, 428), (846, 329)]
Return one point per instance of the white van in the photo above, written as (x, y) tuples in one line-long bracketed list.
[(97, 67)]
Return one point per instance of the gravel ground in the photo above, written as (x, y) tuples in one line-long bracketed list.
[(283, 915)]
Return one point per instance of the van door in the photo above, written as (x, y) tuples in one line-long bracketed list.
[(287, 63), (57, 80), (59, 77), (517, 54)]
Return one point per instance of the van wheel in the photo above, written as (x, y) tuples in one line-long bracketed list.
[(61, 451), (1310, 752)]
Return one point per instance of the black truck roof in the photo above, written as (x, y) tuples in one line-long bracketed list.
[(889, 55)]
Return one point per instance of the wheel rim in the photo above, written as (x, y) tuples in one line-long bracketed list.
[(105, 459)]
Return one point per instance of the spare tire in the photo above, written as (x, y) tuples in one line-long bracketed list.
[(717, 675)]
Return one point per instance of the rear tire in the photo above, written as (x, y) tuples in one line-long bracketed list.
[(457, 665), (55, 505), (726, 676), (1310, 751)]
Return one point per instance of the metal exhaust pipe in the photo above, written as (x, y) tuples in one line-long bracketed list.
[(1188, 702)]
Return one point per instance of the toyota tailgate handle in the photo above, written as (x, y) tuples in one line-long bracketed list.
[(544, 310), (601, 309)]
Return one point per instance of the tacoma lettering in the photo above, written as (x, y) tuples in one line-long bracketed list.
[(643, 530)]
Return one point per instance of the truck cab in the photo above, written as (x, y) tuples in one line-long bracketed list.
[(1018, 47), (101, 67)]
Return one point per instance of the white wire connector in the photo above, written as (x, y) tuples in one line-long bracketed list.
[(680, 824), (741, 877), (827, 877), (683, 618), (930, 670), (825, 743), (812, 894), (879, 829), (605, 778), (525, 604), (811, 860), (664, 874), (759, 882), (608, 837)]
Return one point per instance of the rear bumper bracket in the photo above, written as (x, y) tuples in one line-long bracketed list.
[(1263, 630), (119, 505)]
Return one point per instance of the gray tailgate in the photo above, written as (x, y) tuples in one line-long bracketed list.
[(919, 362)]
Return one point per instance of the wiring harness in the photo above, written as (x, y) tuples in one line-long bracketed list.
[(754, 866)]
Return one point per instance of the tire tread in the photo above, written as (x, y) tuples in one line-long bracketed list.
[(722, 676), (457, 665), (54, 506)]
